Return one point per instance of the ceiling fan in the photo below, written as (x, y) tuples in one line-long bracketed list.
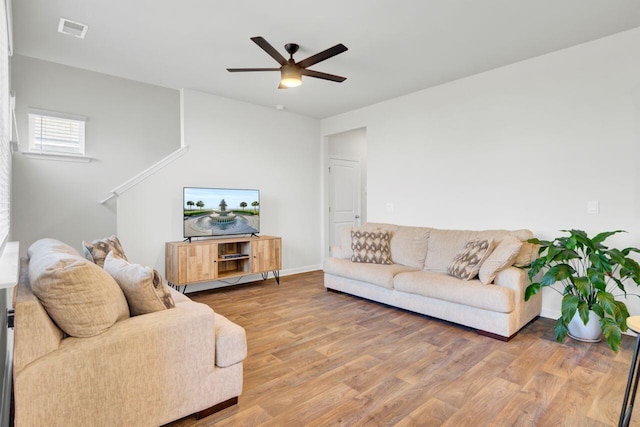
[(292, 71)]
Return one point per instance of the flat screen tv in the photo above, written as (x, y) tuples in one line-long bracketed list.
[(220, 211)]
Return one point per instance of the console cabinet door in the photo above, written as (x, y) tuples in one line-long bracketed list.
[(266, 255), (201, 265)]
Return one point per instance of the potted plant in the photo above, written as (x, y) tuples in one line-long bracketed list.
[(589, 272)]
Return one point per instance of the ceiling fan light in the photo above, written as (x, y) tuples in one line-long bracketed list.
[(291, 76)]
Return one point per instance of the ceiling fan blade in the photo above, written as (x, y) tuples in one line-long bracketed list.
[(239, 70), (269, 49), (324, 76), (325, 54)]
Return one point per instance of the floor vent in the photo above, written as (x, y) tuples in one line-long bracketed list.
[(72, 28)]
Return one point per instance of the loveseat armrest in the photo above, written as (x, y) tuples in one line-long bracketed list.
[(165, 359)]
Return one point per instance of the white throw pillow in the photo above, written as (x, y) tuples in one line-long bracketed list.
[(501, 257)]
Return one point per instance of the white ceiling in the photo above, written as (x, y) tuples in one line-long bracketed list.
[(395, 46)]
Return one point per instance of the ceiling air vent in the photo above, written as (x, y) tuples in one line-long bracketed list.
[(72, 28)]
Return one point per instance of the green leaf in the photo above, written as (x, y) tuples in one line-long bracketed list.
[(611, 332), (583, 311), (597, 278), (616, 256), (597, 308), (536, 266), (565, 255), (601, 237), (582, 239), (569, 307), (621, 315), (560, 330), (608, 302), (583, 285), (557, 273), (531, 290), (600, 262)]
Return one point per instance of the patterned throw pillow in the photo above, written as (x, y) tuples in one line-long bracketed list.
[(142, 286), (97, 250), (467, 263), (370, 247)]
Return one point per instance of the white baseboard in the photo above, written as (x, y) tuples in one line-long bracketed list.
[(549, 314)]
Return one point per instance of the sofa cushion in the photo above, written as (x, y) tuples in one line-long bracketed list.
[(370, 246), (376, 274), (97, 250), (447, 288), (142, 286), (79, 296), (44, 246), (527, 254), (467, 263), (444, 245), (500, 258), (409, 246), (342, 248)]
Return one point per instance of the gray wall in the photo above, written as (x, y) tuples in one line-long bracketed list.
[(130, 126), (233, 144)]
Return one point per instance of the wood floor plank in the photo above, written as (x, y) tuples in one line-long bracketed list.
[(319, 358)]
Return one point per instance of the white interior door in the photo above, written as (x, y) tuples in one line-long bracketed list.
[(345, 195)]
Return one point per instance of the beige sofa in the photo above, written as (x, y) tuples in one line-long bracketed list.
[(145, 370), (418, 280)]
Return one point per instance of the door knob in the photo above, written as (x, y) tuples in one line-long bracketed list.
[(357, 216)]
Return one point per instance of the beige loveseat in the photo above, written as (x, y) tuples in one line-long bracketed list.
[(418, 280), (144, 370)]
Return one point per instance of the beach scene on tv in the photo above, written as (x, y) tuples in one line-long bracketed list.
[(219, 212)]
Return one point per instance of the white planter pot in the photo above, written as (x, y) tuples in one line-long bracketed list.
[(590, 332)]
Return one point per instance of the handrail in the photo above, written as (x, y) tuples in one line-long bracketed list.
[(145, 174)]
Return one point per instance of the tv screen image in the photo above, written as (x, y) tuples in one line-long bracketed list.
[(220, 211)]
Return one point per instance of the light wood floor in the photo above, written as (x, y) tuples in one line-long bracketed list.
[(321, 358)]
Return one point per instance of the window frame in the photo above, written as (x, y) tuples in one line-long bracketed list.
[(35, 148)]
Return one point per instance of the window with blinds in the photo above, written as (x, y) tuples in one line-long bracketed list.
[(56, 133), (5, 126)]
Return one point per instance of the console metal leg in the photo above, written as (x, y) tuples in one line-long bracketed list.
[(276, 275), (634, 376)]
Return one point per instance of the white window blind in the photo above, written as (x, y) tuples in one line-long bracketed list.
[(56, 133), (5, 124)]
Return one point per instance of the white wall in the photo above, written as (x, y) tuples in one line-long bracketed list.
[(130, 126), (523, 146), (233, 144)]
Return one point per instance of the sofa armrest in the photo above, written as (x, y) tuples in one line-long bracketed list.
[(35, 334), (156, 357), (517, 280), (513, 278)]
